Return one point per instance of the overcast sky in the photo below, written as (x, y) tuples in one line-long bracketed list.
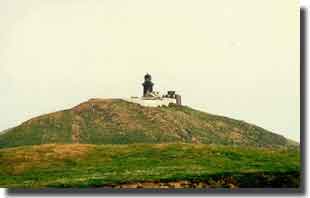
[(235, 58)]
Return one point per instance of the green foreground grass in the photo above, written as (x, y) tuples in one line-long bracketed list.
[(85, 165)]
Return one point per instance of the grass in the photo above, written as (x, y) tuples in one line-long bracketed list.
[(114, 121), (85, 165)]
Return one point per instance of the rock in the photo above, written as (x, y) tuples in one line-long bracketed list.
[(175, 184), (129, 185)]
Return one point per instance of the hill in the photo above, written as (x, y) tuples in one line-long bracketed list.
[(115, 121), (148, 166)]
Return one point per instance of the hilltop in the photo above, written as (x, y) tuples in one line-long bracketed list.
[(116, 121)]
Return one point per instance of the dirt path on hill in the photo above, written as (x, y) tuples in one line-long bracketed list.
[(76, 130)]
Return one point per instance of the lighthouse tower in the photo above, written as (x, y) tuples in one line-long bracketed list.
[(147, 85)]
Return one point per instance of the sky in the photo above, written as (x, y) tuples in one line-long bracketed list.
[(233, 58)]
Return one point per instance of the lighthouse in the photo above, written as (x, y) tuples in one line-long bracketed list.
[(147, 85), (151, 98)]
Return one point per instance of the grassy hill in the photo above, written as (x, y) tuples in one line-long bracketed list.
[(115, 121), (148, 166)]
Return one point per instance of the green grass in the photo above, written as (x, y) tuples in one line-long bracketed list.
[(78, 165)]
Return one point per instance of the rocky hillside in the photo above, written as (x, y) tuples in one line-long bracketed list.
[(115, 121)]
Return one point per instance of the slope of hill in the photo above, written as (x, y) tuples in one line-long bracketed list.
[(148, 166), (115, 121)]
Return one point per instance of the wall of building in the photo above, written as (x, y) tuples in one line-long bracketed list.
[(151, 102)]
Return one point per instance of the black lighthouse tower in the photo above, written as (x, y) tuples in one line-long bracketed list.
[(147, 85)]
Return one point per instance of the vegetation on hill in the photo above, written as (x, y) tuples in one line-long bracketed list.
[(148, 165), (115, 121)]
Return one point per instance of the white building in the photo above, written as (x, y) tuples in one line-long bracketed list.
[(148, 102)]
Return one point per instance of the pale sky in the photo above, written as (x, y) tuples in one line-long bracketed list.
[(237, 58)]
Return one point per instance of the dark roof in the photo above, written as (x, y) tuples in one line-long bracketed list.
[(147, 76)]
